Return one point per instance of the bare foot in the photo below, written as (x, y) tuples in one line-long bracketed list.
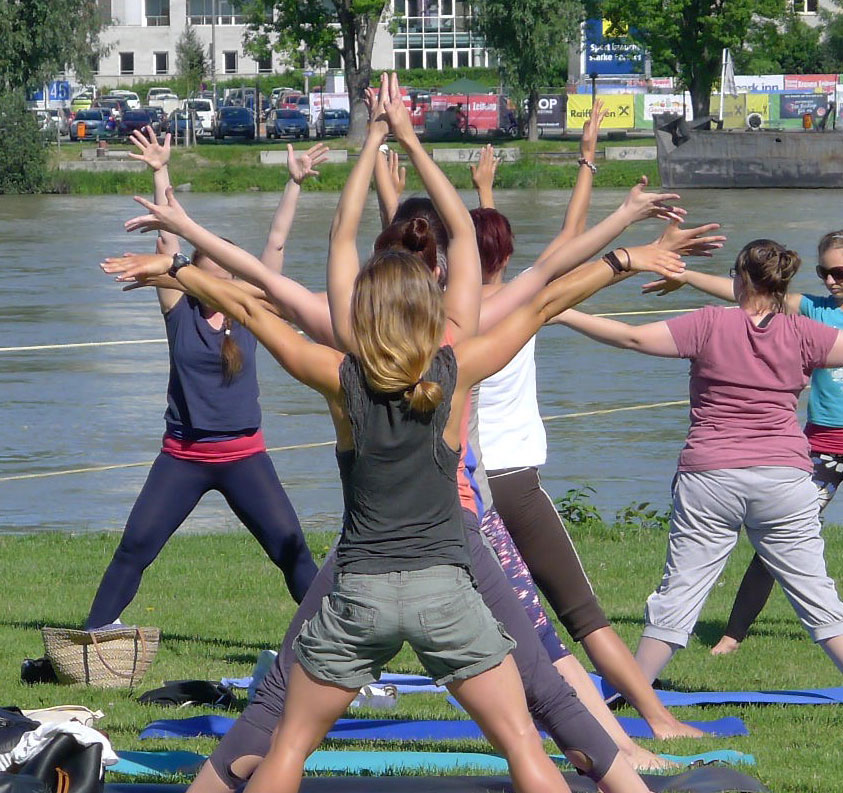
[(675, 729), (642, 760), (725, 646)]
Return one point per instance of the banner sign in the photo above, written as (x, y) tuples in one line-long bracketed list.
[(481, 110), (620, 112), (550, 110), (320, 101), (759, 83), (665, 103), (734, 110), (816, 83), (758, 103), (797, 105), (604, 54)]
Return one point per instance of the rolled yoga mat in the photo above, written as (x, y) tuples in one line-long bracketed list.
[(697, 780), (406, 729)]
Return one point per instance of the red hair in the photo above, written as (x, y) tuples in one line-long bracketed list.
[(494, 240)]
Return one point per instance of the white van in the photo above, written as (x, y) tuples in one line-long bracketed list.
[(204, 110), (132, 99)]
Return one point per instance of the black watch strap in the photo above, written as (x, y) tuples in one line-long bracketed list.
[(179, 261)]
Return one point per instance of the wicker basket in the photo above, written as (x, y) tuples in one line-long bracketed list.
[(110, 658)]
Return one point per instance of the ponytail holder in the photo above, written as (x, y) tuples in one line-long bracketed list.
[(228, 331)]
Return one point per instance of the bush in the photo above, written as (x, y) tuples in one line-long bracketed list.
[(23, 156)]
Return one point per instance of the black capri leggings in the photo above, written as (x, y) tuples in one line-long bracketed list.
[(552, 702), (544, 544), (171, 491)]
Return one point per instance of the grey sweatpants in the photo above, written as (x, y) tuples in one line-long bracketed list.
[(779, 508)]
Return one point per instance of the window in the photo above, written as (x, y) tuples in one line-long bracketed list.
[(94, 64), (462, 58), (157, 13), (416, 59), (265, 64), (162, 63), (229, 59), (201, 12), (400, 60), (430, 60), (127, 63), (447, 60), (805, 6)]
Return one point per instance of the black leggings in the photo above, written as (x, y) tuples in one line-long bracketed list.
[(171, 491), (757, 582), (547, 549), (552, 702)]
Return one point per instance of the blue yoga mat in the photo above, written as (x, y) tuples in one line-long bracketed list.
[(157, 763), (807, 696), (405, 684), (405, 729)]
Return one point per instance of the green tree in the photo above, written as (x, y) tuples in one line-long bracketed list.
[(688, 36), (192, 62), (530, 39), (41, 38), (322, 31), (23, 156), (832, 41), (790, 48)]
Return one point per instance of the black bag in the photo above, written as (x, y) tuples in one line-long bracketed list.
[(13, 725), (65, 766), (21, 783), (178, 693)]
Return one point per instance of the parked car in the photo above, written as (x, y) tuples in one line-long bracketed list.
[(204, 110), (134, 120), (289, 100), (303, 106), (97, 121), (333, 122), (277, 93), (158, 118), (83, 100), (165, 99), (180, 124), (265, 106), (52, 122), (154, 93), (234, 121), (132, 99), (282, 123)]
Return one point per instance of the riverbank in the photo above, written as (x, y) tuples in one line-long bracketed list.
[(219, 602), (235, 168)]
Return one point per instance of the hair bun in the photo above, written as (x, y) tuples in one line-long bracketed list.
[(416, 236), (424, 396)]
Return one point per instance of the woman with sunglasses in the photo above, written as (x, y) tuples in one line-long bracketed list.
[(824, 427)]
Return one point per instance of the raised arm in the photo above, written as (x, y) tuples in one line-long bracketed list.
[(343, 260), (300, 167), (483, 176), (462, 297), (559, 259), (390, 181), (297, 303), (488, 353), (652, 339), (157, 156)]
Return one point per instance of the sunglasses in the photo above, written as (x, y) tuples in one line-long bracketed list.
[(836, 273)]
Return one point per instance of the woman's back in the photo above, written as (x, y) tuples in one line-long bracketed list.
[(402, 509), (745, 384)]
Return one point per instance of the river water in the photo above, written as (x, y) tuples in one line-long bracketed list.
[(79, 425)]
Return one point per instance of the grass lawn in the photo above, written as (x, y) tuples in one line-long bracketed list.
[(234, 167), (218, 602)]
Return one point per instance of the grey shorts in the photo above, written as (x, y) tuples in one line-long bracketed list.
[(366, 619)]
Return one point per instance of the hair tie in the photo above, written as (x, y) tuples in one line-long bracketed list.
[(228, 331)]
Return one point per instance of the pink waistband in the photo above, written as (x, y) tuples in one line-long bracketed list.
[(214, 451)]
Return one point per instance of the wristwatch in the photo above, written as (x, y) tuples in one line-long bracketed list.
[(179, 261)]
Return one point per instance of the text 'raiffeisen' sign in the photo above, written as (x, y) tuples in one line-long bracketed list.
[(620, 111)]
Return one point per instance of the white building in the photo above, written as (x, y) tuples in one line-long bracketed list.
[(142, 36)]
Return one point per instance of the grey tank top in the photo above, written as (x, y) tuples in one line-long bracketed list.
[(402, 508)]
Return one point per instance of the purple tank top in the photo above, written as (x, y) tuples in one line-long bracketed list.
[(200, 403)]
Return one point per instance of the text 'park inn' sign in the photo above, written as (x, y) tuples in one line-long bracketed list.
[(609, 55)]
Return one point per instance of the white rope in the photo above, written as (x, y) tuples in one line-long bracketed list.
[(79, 345), (316, 445)]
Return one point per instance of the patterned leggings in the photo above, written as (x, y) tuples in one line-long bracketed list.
[(757, 583), (494, 530)]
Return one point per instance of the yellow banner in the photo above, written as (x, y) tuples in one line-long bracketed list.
[(734, 110), (758, 103), (620, 111)]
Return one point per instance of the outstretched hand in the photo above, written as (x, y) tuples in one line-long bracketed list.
[(396, 111), (156, 155), (483, 174), (162, 217), (588, 141), (376, 100), (664, 286), (640, 205), (695, 241), (302, 165), (139, 269), (653, 259), (397, 174)]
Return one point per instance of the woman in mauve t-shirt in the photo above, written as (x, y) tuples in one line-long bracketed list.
[(746, 461)]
